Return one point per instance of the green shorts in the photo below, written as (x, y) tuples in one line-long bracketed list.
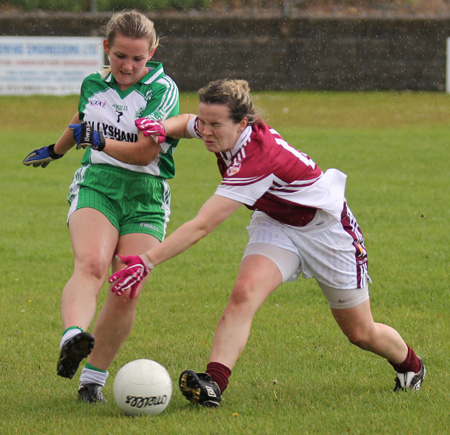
[(132, 201)]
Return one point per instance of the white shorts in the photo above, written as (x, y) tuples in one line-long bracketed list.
[(334, 256)]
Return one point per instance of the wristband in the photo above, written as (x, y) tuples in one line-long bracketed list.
[(148, 264), (52, 153)]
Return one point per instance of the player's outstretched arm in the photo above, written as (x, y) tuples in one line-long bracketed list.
[(44, 155), (175, 127), (151, 128), (212, 213)]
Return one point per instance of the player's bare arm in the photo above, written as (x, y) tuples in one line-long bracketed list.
[(142, 152), (43, 156), (213, 212), (66, 140), (176, 126)]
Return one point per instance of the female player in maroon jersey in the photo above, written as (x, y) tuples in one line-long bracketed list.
[(300, 225)]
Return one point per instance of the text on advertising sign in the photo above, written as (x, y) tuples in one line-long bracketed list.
[(47, 65)]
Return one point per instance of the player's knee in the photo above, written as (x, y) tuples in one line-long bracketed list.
[(360, 338), (93, 267), (242, 291)]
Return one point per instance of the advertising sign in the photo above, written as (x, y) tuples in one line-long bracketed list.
[(47, 65)]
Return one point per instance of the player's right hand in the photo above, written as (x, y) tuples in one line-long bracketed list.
[(155, 129), (85, 135), (131, 276), (42, 157)]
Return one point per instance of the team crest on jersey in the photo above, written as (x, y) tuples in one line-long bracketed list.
[(140, 113), (233, 169)]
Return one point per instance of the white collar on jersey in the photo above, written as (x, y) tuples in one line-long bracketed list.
[(243, 140)]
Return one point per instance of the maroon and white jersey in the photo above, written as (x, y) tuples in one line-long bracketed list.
[(265, 173)]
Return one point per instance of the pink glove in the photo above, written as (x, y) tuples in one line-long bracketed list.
[(154, 129), (130, 276)]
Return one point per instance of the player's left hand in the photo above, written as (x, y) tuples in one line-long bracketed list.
[(85, 135), (155, 129), (131, 276), (42, 157)]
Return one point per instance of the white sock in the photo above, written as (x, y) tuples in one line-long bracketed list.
[(69, 334), (89, 376)]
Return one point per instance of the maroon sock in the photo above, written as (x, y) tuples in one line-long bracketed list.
[(411, 363), (219, 373)]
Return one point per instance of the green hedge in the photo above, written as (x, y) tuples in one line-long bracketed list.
[(104, 5), (149, 5)]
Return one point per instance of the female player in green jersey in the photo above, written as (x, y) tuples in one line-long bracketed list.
[(119, 198)]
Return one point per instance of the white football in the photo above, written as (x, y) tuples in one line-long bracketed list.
[(142, 387)]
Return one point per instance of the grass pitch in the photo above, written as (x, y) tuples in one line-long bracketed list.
[(298, 373)]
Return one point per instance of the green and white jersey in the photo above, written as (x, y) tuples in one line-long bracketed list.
[(113, 112)]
